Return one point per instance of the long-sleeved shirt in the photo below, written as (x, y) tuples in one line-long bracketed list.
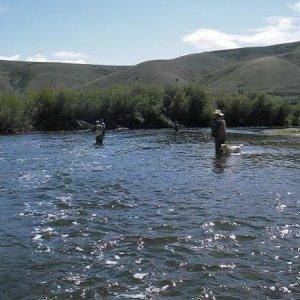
[(218, 128)]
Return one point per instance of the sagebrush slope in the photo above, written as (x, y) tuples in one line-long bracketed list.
[(26, 76), (273, 69)]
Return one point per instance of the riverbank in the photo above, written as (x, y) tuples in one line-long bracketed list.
[(293, 131)]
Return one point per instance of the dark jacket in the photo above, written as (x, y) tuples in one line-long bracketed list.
[(218, 128)]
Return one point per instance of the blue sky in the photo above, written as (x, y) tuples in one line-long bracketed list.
[(131, 31)]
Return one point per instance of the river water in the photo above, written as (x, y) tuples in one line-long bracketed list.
[(149, 215)]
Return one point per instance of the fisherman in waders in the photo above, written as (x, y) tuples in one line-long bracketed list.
[(176, 126), (99, 131), (218, 130)]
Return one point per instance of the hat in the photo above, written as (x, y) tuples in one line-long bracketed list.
[(218, 112), (97, 122)]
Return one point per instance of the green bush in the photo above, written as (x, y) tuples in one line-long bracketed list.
[(140, 107), (13, 116)]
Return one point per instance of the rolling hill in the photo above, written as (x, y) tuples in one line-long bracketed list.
[(273, 69), (26, 76)]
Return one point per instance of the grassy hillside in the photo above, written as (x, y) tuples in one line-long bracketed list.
[(175, 72), (271, 73), (273, 69), (249, 53), (26, 76)]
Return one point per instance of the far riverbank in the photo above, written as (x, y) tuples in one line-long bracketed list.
[(291, 131)]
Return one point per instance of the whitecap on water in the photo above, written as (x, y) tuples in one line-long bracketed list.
[(232, 236), (37, 237), (285, 290), (111, 262), (132, 296), (36, 177), (208, 224), (64, 198), (280, 207), (48, 230), (77, 279), (229, 266), (139, 275), (41, 232), (284, 232)]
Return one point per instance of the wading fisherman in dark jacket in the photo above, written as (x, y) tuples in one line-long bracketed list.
[(99, 131), (176, 126), (218, 130)]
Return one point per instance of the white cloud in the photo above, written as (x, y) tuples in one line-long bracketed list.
[(71, 61), (277, 30), (70, 57), (207, 39), (295, 6), (13, 57), (69, 54), (37, 58), (59, 56)]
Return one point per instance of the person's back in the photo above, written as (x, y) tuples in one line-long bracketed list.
[(222, 132), (215, 125)]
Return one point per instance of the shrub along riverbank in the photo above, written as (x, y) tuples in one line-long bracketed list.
[(139, 107)]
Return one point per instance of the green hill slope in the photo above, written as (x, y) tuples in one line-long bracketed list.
[(273, 69), (163, 72), (26, 76), (274, 74)]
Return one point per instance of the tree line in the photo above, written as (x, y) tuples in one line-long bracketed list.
[(139, 107)]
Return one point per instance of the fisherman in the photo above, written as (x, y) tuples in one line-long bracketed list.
[(218, 130), (99, 130), (176, 126)]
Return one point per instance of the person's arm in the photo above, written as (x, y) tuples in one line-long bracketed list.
[(85, 125), (223, 127)]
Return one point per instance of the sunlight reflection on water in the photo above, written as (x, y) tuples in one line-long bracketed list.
[(149, 214)]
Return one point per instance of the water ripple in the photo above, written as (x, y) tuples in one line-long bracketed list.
[(149, 215)]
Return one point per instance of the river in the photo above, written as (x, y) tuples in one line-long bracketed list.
[(150, 214)]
